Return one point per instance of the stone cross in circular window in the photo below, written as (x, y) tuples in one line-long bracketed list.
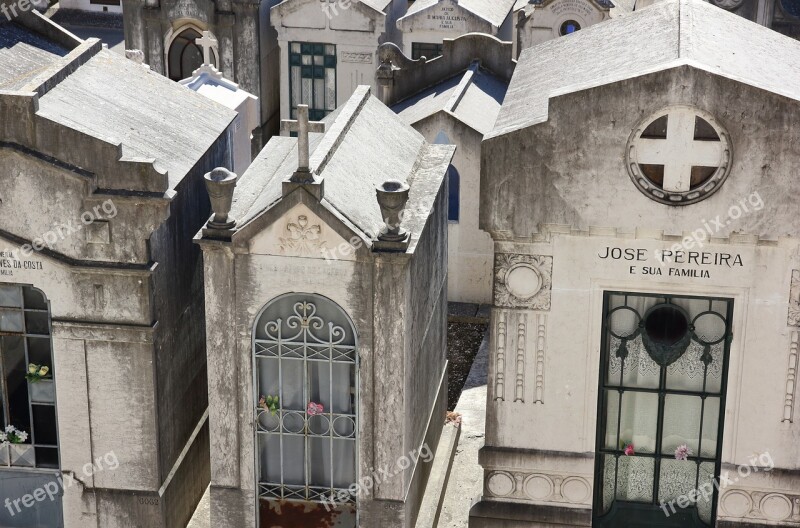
[(679, 155)]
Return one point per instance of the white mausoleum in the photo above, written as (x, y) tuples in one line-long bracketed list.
[(638, 185)]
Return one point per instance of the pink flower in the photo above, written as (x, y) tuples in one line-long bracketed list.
[(629, 450), (682, 452), (315, 409)]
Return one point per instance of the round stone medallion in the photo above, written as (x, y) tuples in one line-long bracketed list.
[(523, 281), (575, 490), (538, 487), (776, 507), (736, 503), (678, 155), (500, 484)]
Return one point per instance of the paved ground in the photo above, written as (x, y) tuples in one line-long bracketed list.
[(466, 477)]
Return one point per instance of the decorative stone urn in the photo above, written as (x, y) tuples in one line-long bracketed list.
[(17, 455), (392, 199), (220, 184), (43, 391)]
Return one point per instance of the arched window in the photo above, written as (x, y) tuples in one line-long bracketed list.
[(454, 194), (27, 407), (305, 402), (184, 55)]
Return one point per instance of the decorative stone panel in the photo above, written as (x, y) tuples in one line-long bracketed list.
[(523, 281), (771, 506), (794, 300), (539, 487)]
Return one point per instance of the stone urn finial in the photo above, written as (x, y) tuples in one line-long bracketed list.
[(220, 184), (392, 199)]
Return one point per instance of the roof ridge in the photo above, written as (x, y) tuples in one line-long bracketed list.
[(333, 137), (463, 86)]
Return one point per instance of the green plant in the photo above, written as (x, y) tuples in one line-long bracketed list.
[(270, 403)]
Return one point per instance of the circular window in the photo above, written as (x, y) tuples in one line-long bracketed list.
[(791, 7), (679, 155), (666, 325), (569, 26), (728, 4), (667, 333)]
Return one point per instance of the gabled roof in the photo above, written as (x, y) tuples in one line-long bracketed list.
[(473, 97), (364, 145), (663, 36), (119, 101), (493, 11)]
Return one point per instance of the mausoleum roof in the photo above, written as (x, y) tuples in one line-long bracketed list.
[(108, 97), (474, 97), (493, 11), (666, 35), (119, 101), (24, 54), (378, 5), (364, 145)]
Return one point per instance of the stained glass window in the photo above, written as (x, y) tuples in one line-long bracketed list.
[(312, 78)]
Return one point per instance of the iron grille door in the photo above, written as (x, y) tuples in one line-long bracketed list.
[(661, 409)]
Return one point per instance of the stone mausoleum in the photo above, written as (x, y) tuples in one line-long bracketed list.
[(101, 289), (326, 289), (644, 350)]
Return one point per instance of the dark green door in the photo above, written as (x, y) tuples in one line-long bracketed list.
[(661, 409)]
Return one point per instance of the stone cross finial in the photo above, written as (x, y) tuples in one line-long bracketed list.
[(302, 127), (207, 42)]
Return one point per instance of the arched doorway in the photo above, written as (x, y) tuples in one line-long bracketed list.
[(305, 406), (184, 55)]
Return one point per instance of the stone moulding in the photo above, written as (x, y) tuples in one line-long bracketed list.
[(538, 487), (523, 281), (793, 318), (773, 506), (541, 326), (791, 380), (500, 363), (519, 388)]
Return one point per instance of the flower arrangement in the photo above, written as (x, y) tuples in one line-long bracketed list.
[(269, 403), (628, 449), (682, 452), (36, 372), (12, 435), (453, 418), (315, 409)]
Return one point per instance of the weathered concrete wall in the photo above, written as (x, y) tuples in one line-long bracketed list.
[(180, 366)]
